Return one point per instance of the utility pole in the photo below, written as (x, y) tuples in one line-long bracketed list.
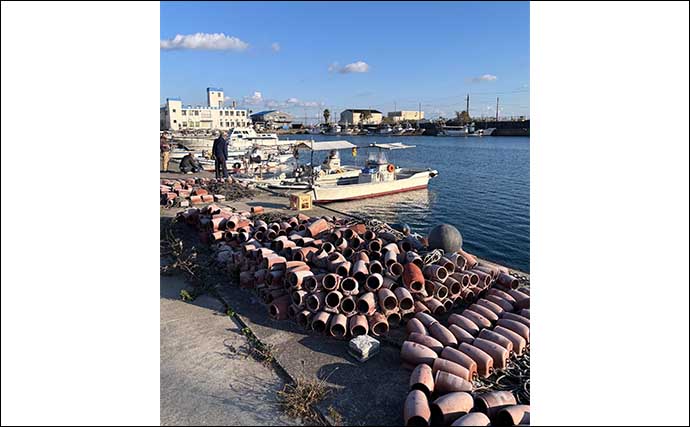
[(467, 108), (395, 106), (496, 109)]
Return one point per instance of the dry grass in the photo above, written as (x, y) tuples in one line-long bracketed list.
[(298, 399)]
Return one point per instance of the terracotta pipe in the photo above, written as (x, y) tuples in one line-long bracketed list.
[(491, 403), (302, 218), (375, 245), (312, 283), (497, 338), (413, 278), (459, 261), (217, 236), (375, 256), (416, 410), (407, 315), (307, 241), (485, 363), (493, 307), (378, 324), (360, 271), (484, 278), (447, 264), (472, 419), (348, 306), (355, 230), (512, 416), (451, 367), (447, 304), (369, 235), (375, 267), (426, 340), (517, 341), (358, 325), (461, 359), (512, 316), (304, 318), (349, 286), (445, 382), (338, 326), (296, 278), (419, 307), (426, 319), (473, 277), (422, 379), (299, 298), (477, 318), (488, 269), (467, 295), (330, 282), (366, 304), (393, 317), (470, 260), (356, 242), (404, 297), (395, 269), (374, 282), (293, 310), (498, 353), (391, 247), (333, 299), (464, 323), (504, 304), (450, 407), (361, 256), (436, 272), (317, 227), (414, 325), (278, 310), (413, 354), (341, 244), (320, 321), (460, 334), (436, 307), (303, 253), (343, 269), (413, 258), (387, 299), (454, 287), (490, 315), (501, 294), (334, 260), (507, 281), (441, 333), (315, 301), (348, 252), (517, 327), (328, 247), (319, 258), (274, 226), (405, 246), (285, 245), (441, 292), (521, 299), (335, 235)]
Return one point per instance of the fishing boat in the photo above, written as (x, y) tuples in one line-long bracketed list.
[(377, 178)]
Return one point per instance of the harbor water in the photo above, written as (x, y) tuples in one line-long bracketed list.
[(482, 189)]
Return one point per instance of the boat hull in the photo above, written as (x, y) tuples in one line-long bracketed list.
[(341, 193)]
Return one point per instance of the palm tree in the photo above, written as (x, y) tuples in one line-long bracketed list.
[(326, 115), (365, 116)]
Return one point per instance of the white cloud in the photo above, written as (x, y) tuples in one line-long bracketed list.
[(484, 78), (255, 99), (204, 41), (355, 67), (275, 46)]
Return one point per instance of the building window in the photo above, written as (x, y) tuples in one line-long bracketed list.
[(184, 113), (174, 121), (173, 110), (232, 113)]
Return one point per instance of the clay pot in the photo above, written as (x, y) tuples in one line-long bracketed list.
[(435, 306), (299, 298), (426, 340), (472, 419), (464, 323), (374, 245), (413, 353), (414, 325), (463, 277), (296, 278), (499, 293), (436, 272), (524, 313), (450, 407), (278, 310), (477, 318), (521, 298), (454, 287), (495, 308), (488, 314), (445, 382), (517, 327), (312, 283), (485, 363), (391, 247), (375, 267), (374, 282), (317, 227), (422, 379), (460, 334), (315, 301), (360, 271), (499, 354), (413, 278), (461, 359), (517, 318), (343, 269), (407, 315), (393, 317), (390, 257), (348, 306), (449, 366), (497, 338), (405, 301), (271, 261), (448, 304), (519, 343), (470, 260), (504, 304), (304, 318), (416, 411), (330, 282), (387, 299), (507, 281), (333, 299), (366, 304), (361, 256), (441, 333), (484, 279), (378, 324), (491, 403), (458, 260), (349, 286), (426, 319), (440, 292), (320, 321), (488, 269), (338, 325), (467, 295), (419, 307), (447, 264), (358, 325), (510, 416)]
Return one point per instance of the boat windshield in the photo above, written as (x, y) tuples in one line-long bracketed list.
[(378, 158)]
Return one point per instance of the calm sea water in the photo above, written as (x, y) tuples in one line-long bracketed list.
[(482, 189)]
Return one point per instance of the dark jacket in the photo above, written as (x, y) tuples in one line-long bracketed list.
[(220, 148), (189, 162)]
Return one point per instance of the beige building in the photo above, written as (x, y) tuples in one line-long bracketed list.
[(354, 117), (175, 116), (406, 116)]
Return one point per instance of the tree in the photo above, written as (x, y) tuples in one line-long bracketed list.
[(463, 117), (326, 115), (364, 116)]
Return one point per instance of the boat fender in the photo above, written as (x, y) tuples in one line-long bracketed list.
[(391, 167), (236, 165)]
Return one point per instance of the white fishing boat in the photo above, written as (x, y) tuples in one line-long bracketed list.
[(378, 178), (454, 131), (385, 130)]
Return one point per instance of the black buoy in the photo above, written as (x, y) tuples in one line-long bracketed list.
[(445, 237)]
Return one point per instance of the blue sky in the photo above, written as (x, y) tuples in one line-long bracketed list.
[(303, 57)]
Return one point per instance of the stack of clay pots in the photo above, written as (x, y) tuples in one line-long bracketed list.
[(183, 192), (446, 359)]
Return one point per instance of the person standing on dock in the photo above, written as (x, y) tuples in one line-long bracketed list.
[(165, 153), (220, 153)]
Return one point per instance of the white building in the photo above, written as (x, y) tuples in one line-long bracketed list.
[(175, 116), (406, 116), (354, 116)]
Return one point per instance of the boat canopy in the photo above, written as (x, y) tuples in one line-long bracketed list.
[(325, 145), (392, 146)]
